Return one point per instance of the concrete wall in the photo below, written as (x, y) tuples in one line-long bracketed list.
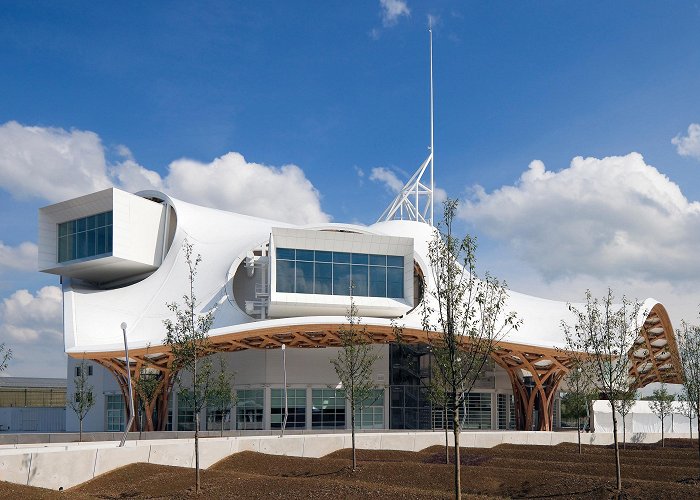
[(61, 466)]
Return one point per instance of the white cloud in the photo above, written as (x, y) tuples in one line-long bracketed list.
[(55, 164), (50, 163), (26, 318), (608, 218), (690, 144), (393, 10), (386, 177), (22, 257)]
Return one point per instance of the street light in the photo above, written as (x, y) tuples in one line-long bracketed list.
[(284, 370), (131, 391)]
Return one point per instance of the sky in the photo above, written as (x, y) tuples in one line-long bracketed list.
[(570, 132)]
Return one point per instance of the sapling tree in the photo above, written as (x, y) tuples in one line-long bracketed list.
[(685, 408), (221, 396), (440, 397), (626, 400), (463, 316), (187, 336), (689, 348), (607, 331), (661, 403), (579, 391), (353, 365), (82, 399)]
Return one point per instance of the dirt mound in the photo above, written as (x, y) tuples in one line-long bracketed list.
[(507, 471)]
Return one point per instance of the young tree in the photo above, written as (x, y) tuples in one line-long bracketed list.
[(82, 400), (463, 317), (579, 393), (661, 404), (607, 331), (685, 408), (354, 367), (626, 400), (689, 348), (188, 339), (439, 396), (221, 397), (5, 356)]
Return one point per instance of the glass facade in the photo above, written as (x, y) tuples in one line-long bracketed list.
[(332, 273), (85, 237), (328, 409), (296, 407), (476, 411), (409, 378), (249, 409), (185, 413), (371, 416), (506, 412), (116, 412)]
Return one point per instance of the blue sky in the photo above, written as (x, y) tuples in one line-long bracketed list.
[(96, 94)]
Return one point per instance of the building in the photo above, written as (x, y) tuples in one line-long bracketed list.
[(120, 258), (32, 404)]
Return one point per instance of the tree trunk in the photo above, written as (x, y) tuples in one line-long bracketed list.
[(447, 441), (222, 424), (457, 461), (698, 442), (662, 433), (618, 474), (352, 432), (196, 452), (578, 431), (624, 434), (80, 437)]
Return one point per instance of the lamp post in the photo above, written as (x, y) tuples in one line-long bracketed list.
[(131, 391), (284, 370)]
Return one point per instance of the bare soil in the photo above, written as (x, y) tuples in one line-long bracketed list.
[(506, 471)]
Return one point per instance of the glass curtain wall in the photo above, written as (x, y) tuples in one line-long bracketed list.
[(85, 237), (249, 409), (331, 273), (296, 407), (371, 416), (328, 409), (116, 412)]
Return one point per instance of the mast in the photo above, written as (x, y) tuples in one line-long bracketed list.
[(415, 200)]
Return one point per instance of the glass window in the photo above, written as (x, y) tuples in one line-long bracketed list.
[(323, 278), (371, 416), (249, 409), (341, 257), (328, 409), (377, 260), (305, 276), (324, 256), (377, 281), (476, 411), (286, 253), (85, 237), (311, 271), (341, 279), (360, 258), (185, 413), (360, 280), (307, 255), (394, 282), (394, 261), (116, 412), (296, 407), (285, 276)]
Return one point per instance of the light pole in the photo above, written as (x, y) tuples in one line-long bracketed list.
[(131, 391), (284, 370)]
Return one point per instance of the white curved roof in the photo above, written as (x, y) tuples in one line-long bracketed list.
[(93, 317)]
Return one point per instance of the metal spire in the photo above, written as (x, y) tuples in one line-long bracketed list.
[(415, 200)]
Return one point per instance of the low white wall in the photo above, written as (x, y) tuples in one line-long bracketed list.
[(61, 466)]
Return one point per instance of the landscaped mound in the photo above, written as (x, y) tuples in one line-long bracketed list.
[(504, 471)]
